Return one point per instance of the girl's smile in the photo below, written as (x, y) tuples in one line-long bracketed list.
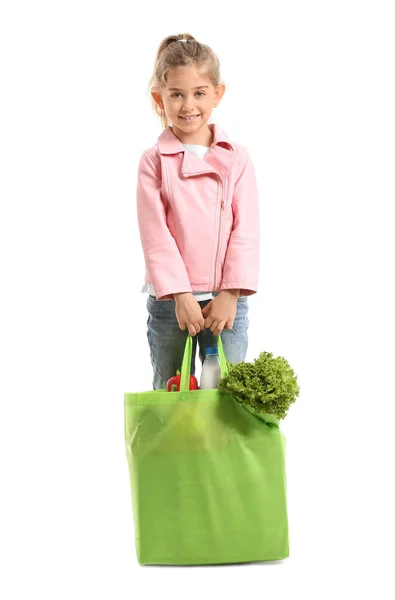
[(190, 119)]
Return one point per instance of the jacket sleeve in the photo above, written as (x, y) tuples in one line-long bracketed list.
[(241, 266), (163, 260)]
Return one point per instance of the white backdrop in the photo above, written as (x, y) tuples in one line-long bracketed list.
[(310, 92)]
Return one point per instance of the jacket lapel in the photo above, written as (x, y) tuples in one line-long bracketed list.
[(219, 160)]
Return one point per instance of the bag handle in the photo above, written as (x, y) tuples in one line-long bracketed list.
[(186, 362)]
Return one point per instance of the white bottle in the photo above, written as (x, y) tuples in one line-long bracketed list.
[(211, 370)]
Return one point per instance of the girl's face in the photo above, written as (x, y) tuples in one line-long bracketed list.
[(189, 93)]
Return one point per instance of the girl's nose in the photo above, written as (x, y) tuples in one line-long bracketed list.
[(187, 106)]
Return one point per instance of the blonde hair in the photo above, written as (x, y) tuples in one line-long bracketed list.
[(170, 56)]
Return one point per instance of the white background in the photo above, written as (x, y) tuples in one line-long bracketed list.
[(310, 92)]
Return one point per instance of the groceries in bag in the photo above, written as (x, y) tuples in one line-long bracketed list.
[(211, 370), (173, 384)]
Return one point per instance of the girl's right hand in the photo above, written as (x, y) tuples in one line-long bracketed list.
[(189, 313)]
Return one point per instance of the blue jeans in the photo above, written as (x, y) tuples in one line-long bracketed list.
[(167, 341)]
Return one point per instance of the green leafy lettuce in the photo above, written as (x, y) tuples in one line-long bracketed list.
[(267, 385)]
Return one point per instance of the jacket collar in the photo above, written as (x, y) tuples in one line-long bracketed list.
[(220, 159), (169, 143)]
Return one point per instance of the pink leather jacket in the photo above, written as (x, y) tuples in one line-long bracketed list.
[(198, 218)]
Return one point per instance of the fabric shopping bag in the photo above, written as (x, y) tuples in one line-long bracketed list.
[(207, 476)]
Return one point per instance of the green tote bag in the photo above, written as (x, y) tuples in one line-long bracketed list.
[(207, 476)]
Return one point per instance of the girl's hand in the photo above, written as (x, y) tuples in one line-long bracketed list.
[(188, 313), (220, 312)]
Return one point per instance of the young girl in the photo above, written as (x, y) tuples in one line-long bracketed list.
[(198, 215)]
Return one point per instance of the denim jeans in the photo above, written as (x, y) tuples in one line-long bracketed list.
[(167, 341)]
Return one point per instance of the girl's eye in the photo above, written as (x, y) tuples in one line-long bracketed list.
[(177, 93)]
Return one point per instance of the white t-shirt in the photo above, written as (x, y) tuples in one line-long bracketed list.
[(200, 151)]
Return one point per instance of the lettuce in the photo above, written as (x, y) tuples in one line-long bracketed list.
[(268, 385)]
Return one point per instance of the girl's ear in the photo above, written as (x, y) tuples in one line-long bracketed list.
[(220, 91), (157, 96)]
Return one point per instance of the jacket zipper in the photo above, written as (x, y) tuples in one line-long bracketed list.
[(219, 235), (219, 229)]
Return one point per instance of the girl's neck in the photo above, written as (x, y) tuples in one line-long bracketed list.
[(201, 138)]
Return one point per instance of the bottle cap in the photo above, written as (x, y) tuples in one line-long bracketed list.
[(212, 350)]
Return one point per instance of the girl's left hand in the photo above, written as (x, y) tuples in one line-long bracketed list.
[(220, 312)]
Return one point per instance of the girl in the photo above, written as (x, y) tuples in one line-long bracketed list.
[(198, 215)]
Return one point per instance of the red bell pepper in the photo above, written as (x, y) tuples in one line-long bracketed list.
[(173, 384)]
